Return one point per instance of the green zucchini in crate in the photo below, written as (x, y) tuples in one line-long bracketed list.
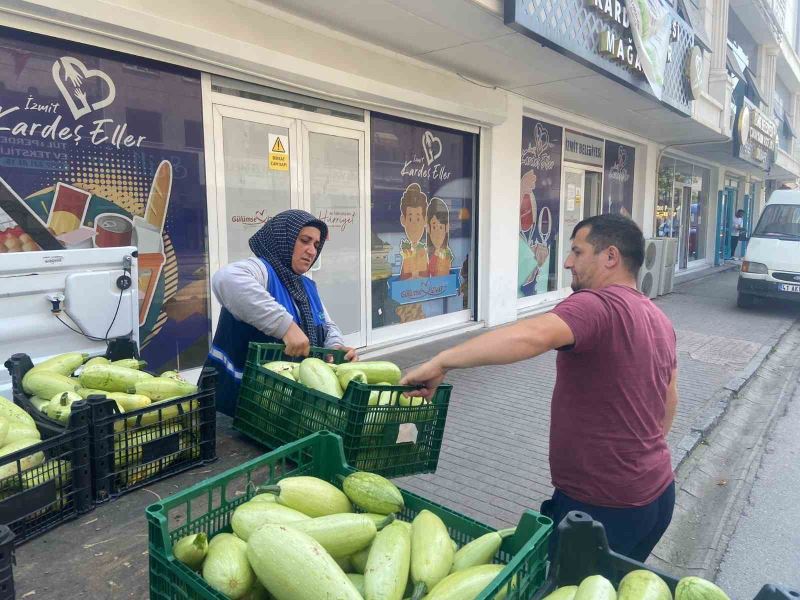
[(395, 437), (207, 507)]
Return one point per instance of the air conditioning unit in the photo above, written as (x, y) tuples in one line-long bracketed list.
[(652, 269), (670, 253)]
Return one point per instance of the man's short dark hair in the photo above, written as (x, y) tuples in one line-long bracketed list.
[(618, 231)]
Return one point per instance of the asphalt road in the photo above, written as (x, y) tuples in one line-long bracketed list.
[(765, 547)]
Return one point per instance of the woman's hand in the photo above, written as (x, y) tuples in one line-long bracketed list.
[(296, 341), (351, 355)]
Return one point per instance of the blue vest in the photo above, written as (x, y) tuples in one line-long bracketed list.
[(232, 338)]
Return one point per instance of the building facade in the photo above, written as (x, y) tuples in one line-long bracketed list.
[(450, 146)]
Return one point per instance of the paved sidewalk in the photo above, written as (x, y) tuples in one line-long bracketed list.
[(494, 458)]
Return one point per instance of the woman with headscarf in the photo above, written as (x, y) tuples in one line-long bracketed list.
[(267, 299)]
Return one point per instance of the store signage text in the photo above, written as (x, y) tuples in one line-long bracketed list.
[(424, 166), (70, 75), (611, 43), (583, 149), (756, 135)]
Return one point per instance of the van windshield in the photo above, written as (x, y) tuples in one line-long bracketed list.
[(779, 220)]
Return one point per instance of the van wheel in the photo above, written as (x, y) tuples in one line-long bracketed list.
[(745, 300)]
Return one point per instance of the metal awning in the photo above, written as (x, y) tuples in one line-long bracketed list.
[(752, 87), (733, 64), (787, 126), (695, 20)]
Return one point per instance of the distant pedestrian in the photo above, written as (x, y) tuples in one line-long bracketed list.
[(616, 387), (738, 231)]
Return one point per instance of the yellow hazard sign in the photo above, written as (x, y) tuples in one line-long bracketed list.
[(278, 152)]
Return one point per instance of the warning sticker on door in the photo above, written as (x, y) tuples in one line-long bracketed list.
[(278, 152)]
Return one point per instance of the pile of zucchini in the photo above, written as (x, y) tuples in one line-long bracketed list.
[(639, 584), (17, 432), (55, 384), (333, 380), (301, 540)]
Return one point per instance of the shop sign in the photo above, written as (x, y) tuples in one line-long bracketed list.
[(583, 149), (539, 207), (642, 44), (695, 72), (102, 157), (422, 180), (755, 135)]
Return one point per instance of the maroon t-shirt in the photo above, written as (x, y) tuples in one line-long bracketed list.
[(606, 442)]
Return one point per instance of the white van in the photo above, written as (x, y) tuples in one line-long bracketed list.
[(771, 265)]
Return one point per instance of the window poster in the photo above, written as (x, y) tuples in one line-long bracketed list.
[(106, 150), (618, 179), (423, 197), (539, 207)]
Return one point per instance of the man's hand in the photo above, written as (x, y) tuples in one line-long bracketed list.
[(296, 341), (429, 375)]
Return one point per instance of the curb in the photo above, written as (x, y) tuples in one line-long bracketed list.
[(718, 404)]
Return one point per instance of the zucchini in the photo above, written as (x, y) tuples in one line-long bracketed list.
[(595, 587), (359, 559), (373, 493), (358, 581), (431, 552), (15, 413), (318, 375), (341, 535), (563, 593), (251, 515), (3, 430), (29, 461), (21, 431), (310, 495), (642, 584), (480, 551), (191, 550), (345, 564), (226, 568), (163, 388), (293, 566), (129, 402), (375, 370), (111, 378), (97, 360), (46, 384), (351, 375), (60, 406), (172, 375), (58, 470), (130, 363), (63, 364), (466, 584), (257, 592), (38, 403), (86, 392), (386, 572)]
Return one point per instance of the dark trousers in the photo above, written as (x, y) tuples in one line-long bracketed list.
[(632, 532), (734, 242)]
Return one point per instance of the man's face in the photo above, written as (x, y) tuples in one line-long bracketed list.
[(305, 249), (413, 221), (583, 262)]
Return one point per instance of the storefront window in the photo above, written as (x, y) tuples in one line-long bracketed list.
[(539, 207), (94, 144), (423, 202), (682, 210), (620, 161)]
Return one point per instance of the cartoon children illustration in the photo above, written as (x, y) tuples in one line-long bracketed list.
[(412, 217), (440, 257)]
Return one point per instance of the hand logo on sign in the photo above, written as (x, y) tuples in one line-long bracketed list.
[(71, 73)]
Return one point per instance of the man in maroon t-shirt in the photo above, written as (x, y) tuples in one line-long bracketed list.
[(615, 394)]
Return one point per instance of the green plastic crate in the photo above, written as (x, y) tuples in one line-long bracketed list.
[(208, 507), (274, 411)]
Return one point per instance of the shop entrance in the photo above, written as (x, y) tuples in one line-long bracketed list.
[(582, 198), (269, 158)]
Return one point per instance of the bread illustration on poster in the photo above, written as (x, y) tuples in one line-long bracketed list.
[(148, 237)]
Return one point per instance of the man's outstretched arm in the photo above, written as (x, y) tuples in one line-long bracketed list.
[(520, 341)]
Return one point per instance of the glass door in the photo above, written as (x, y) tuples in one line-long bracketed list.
[(333, 190), (573, 210)]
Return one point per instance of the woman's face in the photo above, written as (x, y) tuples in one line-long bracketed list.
[(437, 232), (305, 249)]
